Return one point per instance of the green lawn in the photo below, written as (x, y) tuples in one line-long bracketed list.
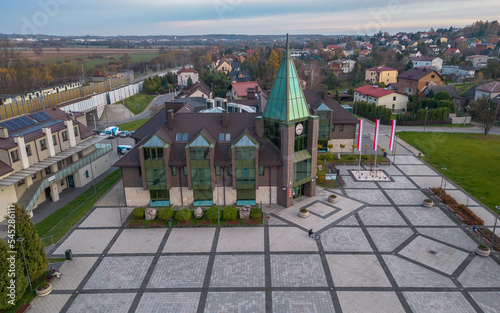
[(472, 160), (136, 104), (61, 221), (134, 125), (453, 125), (143, 57)]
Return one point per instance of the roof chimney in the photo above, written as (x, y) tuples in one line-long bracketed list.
[(224, 119), (4, 132), (259, 126), (170, 118), (251, 93)]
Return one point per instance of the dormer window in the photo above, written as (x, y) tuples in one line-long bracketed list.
[(181, 137)]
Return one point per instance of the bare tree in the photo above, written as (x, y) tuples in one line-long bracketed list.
[(315, 75), (485, 111), (8, 53)]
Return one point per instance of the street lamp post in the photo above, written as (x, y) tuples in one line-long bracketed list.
[(218, 204), (494, 227), (442, 180), (425, 122), (21, 239)]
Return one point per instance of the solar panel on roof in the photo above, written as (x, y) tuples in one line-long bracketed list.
[(40, 116)]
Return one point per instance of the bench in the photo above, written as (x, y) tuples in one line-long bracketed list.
[(49, 280), (251, 222), (186, 223), (156, 223), (23, 308), (233, 223), (204, 223), (133, 224)]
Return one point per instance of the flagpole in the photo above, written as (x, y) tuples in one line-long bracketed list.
[(375, 142), (360, 139)]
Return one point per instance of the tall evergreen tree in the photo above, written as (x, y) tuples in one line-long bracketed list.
[(32, 244), (11, 275)]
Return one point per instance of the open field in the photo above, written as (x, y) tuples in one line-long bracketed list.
[(74, 52), (471, 160), (137, 103)]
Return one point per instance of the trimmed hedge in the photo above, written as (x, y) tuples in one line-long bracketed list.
[(183, 215), (165, 213), (138, 213), (255, 214), (230, 213), (212, 214)]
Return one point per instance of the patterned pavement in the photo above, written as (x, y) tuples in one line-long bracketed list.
[(380, 251)]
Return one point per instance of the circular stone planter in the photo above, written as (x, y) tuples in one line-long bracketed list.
[(428, 204), (44, 292), (482, 252), (304, 214), (333, 198)]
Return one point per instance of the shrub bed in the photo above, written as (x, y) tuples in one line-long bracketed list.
[(183, 215), (469, 217), (165, 213), (255, 214), (138, 213), (230, 213), (212, 213)]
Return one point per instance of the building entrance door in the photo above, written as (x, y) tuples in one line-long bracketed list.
[(298, 191), (71, 181), (47, 194)]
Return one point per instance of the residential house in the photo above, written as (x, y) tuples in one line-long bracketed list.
[(417, 79), (381, 74), (184, 74), (464, 72), (452, 51), (414, 53), (296, 53), (364, 53), (198, 89), (478, 61), (244, 90), (226, 158), (239, 76), (384, 97), (44, 153), (223, 66), (341, 66), (434, 49), (434, 62), (489, 90), (480, 47)]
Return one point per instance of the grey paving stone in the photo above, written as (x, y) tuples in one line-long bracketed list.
[(417, 170), (103, 217), (138, 241), (425, 302), (238, 271), (407, 159), (218, 302), (422, 216), (302, 301), (388, 239), (50, 304), (425, 182), (120, 273), (345, 239), (400, 182), (350, 221), (190, 240), (357, 271), (408, 274), (406, 197), (292, 270), (488, 301), (436, 255), (323, 207), (73, 273), (83, 241), (179, 271), (350, 183), (481, 272), (241, 239), (369, 302), (290, 239), (182, 302), (273, 221), (390, 170), (112, 303), (368, 196), (453, 236), (381, 216)]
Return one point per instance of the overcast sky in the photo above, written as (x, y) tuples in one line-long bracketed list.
[(255, 17)]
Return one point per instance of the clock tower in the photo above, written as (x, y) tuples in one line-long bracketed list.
[(294, 132)]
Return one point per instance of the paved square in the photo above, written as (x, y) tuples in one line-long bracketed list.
[(190, 240), (345, 239), (186, 302), (113, 303), (406, 159), (236, 302), (368, 196), (179, 271), (488, 301), (482, 272), (436, 255), (406, 197), (453, 236), (86, 241), (388, 239), (423, 216), (297, 270), (302, 301), (51, 304), (425, 182), (400, 182), (73, 273), (241, 239), (417, 170), (120, 273), (103, 217), (357, 271), (238, 271), (138, 241), (381, 216), (290, 239), (370, 302), (424, 302)]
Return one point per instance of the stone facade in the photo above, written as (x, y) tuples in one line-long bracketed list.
[(175, 196), (336, 145), (262, 195), (137, 196), (230, 197)]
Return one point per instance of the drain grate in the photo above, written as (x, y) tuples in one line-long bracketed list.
[(267, 217), (432, 252)]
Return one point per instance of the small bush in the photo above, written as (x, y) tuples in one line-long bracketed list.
[(165, 214), (255, 214), (212, 213), (183, 215), (138, 213), (230, 213), (321, 178)]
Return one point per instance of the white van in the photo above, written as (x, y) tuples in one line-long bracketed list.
[(111, 131)]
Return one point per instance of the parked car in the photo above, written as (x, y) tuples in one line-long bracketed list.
[(124, 133), (123, 149), (112, 130)]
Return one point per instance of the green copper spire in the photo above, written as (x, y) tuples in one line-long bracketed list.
[(287, 102)]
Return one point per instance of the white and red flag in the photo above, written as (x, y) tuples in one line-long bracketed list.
[(375, 138), (360, 134), (393, 133)]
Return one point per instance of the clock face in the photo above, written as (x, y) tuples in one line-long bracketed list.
[(299, 129)]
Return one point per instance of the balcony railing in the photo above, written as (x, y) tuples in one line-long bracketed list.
[(102, 149)]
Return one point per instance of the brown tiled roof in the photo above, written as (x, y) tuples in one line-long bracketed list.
[(5, 169), (187, 70), (314, 99), (150, 126), (85, 132), (200, 85), (417, 73), (490, 87)]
